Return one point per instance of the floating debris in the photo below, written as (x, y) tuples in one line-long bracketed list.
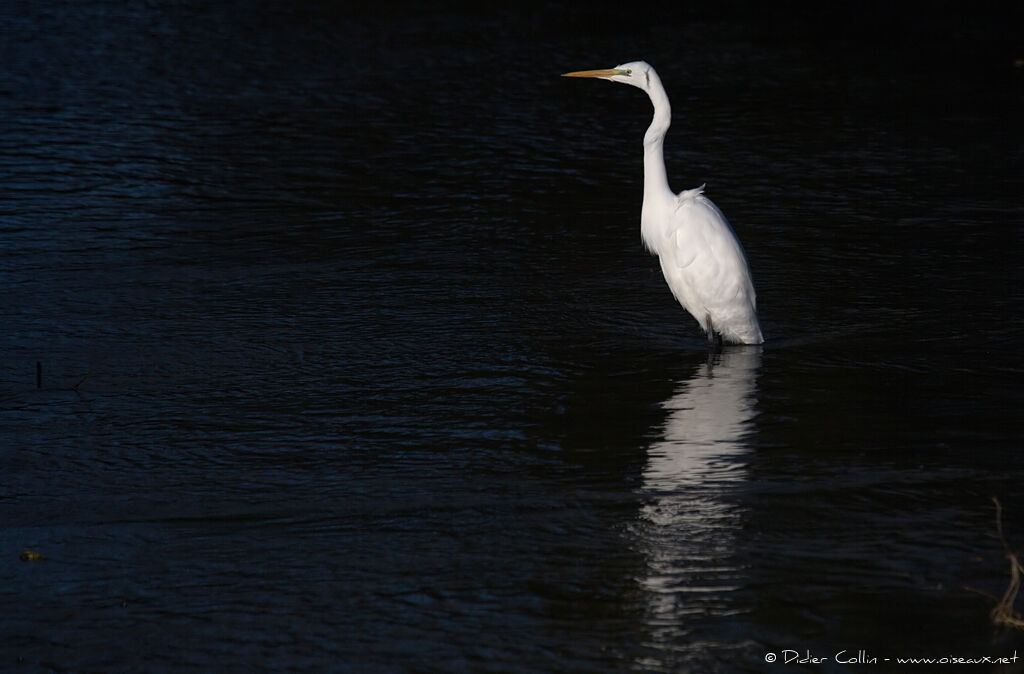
[(30, 556)]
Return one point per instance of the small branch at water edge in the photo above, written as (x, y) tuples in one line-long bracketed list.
[(1003, 613)]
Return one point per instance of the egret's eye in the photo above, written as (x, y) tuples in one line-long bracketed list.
[(628, 72)]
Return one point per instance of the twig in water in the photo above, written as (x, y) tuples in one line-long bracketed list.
[(1003, 613)]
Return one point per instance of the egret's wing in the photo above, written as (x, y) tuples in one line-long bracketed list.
[(700, 229), (707, 250)]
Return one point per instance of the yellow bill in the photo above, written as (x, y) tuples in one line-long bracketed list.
[(607, 72)]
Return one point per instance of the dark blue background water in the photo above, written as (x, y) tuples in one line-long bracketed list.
[(351, 359)]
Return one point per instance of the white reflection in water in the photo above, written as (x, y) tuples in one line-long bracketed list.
[(690, 522)]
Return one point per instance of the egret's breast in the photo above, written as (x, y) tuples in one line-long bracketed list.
[(655, 225)]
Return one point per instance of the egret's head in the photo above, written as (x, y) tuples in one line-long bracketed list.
[(637, 73)]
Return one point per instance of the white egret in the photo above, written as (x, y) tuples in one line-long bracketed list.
[(700, 256)]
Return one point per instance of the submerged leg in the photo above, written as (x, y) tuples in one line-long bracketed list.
[(714, 339)]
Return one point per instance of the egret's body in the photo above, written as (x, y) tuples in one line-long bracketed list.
[(700, 256)]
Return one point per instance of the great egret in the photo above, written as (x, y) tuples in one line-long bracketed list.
[(701, 258)]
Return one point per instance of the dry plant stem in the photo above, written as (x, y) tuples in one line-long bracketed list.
[(1003, 613)]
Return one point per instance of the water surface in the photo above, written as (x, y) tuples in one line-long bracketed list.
[(351, 359)]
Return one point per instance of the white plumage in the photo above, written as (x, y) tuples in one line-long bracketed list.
[(701, 258)]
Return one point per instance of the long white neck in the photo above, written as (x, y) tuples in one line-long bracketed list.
[(657, 193), (655, 180)]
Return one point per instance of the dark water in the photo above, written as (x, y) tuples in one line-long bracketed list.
[(351, 359)]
